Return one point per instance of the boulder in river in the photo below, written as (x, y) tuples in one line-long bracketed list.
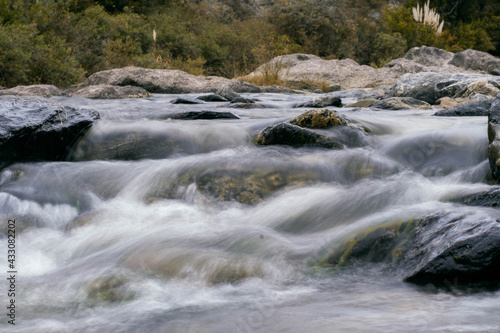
[(106, 91), (292, 135), (228, 93), (35, 130), (477, 61), (182, 100), (488, 198), (193, 115), (321, 102), (42, 90), (430, 87), (212, 98), (442, 247), (401, 103), (320, 119), (472, 109)]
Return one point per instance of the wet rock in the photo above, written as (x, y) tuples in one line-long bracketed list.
[(362, 103), (401, 103), (430, 87), (42, 90), (474, 108), (106, 91), (212, 98), (489, 198), (132, 142), (228, 93), (477, 60), (295, 136), (165, 81), (34, 130), (193, 115), (321, 102), (181, 100), (279, 90), (242, 100), (437, 248), (494, 138), (321, 119)]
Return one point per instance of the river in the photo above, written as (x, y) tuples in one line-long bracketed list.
[(132, 245)]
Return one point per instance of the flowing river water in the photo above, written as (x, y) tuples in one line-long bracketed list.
[(133, 245)]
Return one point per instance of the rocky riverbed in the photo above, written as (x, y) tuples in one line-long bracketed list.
[(225, 207)]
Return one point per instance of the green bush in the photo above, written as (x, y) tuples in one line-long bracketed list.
[(26, 57)]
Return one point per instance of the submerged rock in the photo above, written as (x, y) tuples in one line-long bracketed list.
[(292, 135), (435, 249), (474, 108), (42, 90), (129, 142), (246, 183), (242, 100), (34, 130), (401, 103), (192, 115), (106, 91)]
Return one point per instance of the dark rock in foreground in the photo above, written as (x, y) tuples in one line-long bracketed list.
[(292, 135), (193, 115), (34, 130), (471, 109), (106, 91), (401, 103), (42, 90), (458, 246)]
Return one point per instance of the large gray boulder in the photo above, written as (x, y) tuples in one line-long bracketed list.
[(461, 244), (42, 90), (34, 130), (476, 61), (106, 91), (167, 81), (430, 87), (302, 70), (401, 103), (472, 109)]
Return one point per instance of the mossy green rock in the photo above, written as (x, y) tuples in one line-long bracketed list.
[(320, 119)]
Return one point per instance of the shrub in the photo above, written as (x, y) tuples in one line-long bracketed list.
[(26, 57)]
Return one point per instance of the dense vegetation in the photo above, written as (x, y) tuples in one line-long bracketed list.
[(62, 41)]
